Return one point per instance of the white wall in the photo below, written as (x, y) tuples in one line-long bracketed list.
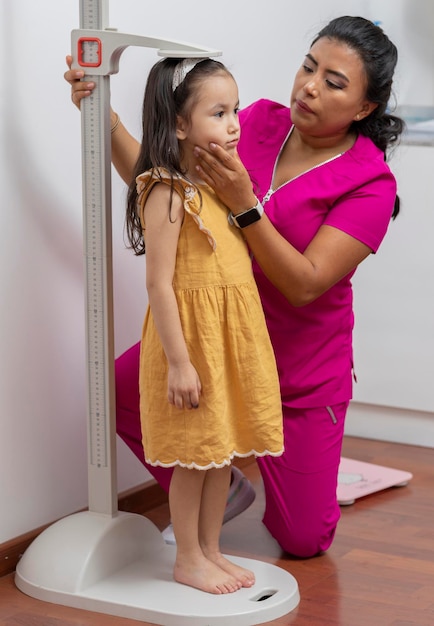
[(394, 308), (42, 381), (410, 25), (394, 330)]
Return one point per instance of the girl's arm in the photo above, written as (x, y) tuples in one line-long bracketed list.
[(161, 238), (125, 148), (301, 278)]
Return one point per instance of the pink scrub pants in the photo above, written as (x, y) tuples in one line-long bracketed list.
[(128, 411), (301, 510)]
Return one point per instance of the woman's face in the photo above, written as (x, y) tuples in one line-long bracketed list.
[(329, 91)]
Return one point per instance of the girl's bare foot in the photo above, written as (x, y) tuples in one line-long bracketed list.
[(244, 576), (205, 575)]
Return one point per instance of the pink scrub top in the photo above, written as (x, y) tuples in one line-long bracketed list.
[(354, 192)]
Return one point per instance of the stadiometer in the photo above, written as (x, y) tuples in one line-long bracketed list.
[(103, 559)]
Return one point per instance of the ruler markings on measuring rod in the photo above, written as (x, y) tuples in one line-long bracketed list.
[(95, 286), (97, 234), (96, 158)]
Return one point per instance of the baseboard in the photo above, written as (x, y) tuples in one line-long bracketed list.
[(140, 499), (393, 424)]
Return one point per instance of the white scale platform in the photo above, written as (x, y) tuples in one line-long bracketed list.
[(122, 566)]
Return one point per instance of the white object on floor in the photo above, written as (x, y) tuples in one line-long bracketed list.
[(168, 535), (121, 566), (357, 479)]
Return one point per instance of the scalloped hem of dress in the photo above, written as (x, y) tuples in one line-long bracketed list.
[(214, 465)]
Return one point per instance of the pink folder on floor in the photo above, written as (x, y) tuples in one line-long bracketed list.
[(357, 479)]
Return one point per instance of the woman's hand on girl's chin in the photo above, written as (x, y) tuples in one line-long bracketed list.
[(226, 174)]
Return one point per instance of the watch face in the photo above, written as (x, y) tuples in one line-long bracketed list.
[(247, 218)]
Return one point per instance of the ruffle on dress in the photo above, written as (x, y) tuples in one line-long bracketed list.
[(187, 191)]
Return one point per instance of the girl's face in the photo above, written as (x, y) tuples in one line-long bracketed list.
[(213, 118), (329, 91)]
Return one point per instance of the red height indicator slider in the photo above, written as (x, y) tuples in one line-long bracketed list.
[(89, 51)]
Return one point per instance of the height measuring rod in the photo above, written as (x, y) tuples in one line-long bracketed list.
[(97, 50)]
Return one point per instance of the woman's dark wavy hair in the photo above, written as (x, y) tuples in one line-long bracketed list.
[(379, 56), (160, 147)]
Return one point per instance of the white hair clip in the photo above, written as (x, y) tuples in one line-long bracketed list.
[(182, 69)]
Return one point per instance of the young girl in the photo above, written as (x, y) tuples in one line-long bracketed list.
[(209, 388)]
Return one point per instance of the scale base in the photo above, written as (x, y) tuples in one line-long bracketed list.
[(357, 479), (122, 566)]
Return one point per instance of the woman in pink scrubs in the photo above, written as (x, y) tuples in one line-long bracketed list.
[(314, 197)]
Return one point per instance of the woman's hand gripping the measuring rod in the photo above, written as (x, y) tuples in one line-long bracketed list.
[(125, 148)]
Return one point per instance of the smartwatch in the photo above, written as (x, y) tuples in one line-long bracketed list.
[(246, 217)]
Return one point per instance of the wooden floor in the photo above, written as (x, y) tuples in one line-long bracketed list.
[(379, 571)]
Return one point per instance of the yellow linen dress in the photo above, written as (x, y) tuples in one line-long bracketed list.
[(224, 327)]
